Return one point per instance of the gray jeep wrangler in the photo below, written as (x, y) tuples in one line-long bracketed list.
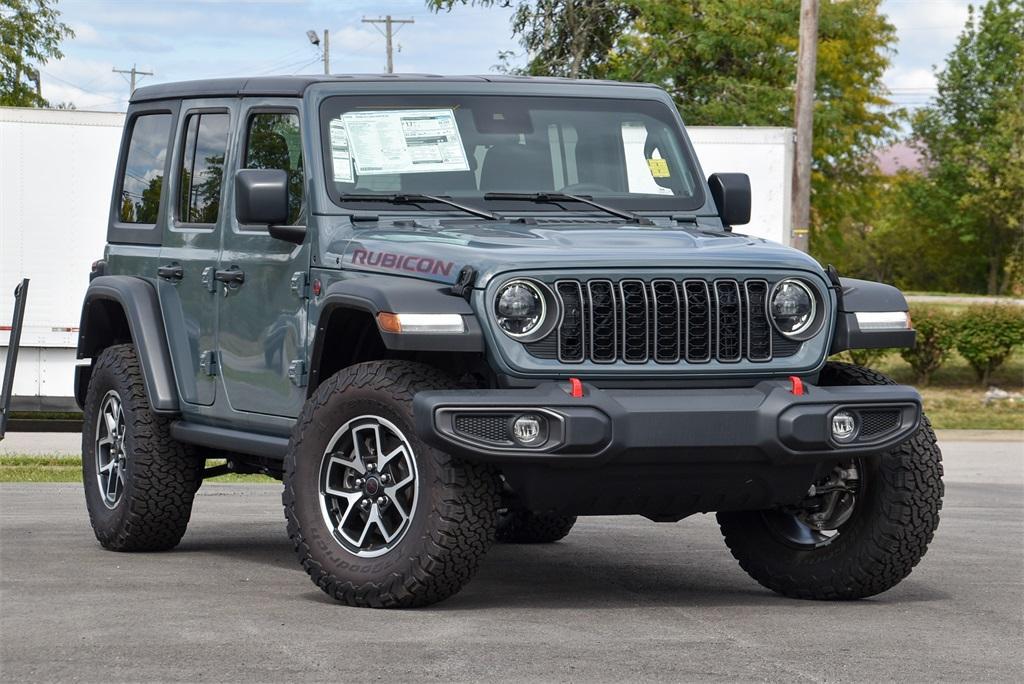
[(446, 311)]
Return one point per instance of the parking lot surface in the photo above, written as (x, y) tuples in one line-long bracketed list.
[(619, 599)]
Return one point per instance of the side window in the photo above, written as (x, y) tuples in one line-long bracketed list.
[(143, 178), (202, 167), (273, 141)]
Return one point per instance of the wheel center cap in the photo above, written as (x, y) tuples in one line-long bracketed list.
[(372, 485)]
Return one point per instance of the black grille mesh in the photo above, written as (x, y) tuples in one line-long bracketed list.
[(484, 427), (667, 321), (878, 422)]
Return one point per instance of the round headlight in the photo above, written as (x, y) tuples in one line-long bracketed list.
[(520, 308), (792, 307)]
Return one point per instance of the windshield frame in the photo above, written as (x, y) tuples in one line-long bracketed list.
[(651, 106)]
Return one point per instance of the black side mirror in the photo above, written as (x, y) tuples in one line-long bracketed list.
[(261, 198), (731, 192)]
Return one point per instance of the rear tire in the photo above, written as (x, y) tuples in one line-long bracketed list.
[(517, 526), (892, 523), (139, 481), (355, 444)]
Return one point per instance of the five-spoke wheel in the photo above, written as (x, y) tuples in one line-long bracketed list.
[(368, 485)]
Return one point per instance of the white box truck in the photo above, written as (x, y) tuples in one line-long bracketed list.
[(56, 174)]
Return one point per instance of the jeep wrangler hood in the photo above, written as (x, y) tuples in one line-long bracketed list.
[(440, 252)]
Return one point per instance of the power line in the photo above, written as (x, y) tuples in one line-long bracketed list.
[(388, 33)]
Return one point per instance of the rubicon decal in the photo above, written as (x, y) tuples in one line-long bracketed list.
[(401, 262)]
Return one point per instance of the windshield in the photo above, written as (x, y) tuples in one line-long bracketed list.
[(626, 153)]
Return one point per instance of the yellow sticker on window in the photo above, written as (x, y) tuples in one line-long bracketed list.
[(659, 168)]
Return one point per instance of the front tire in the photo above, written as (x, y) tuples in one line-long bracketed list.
[(377, 517), (874, 545), (139, 481)]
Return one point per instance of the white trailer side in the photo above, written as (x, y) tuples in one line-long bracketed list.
[(56, 171), (766, 155)]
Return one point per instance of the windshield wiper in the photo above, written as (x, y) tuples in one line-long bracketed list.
[(555, 197), (415, 198)]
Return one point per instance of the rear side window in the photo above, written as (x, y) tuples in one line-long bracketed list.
[(144, 169), (273, 141), (202, 167)]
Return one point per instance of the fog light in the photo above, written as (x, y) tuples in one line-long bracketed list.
[(844, 425), (529, 430)]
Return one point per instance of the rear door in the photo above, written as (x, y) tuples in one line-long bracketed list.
[(262, 326), (191, 246)]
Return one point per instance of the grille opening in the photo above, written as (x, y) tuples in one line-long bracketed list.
[(662, 320), (877, 422), (484, 427)]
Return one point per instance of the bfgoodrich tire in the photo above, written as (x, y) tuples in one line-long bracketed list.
[(377, 517), (139, 481), (517, 526), (898, 494)]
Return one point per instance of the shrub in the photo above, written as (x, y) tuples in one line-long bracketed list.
[(936, 336), (987, 334), (863, 357)]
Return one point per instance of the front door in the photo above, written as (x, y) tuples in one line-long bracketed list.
[(262, 326), (191, 247)]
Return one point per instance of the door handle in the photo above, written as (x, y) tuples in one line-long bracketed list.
[(171, 272), (230, 276)]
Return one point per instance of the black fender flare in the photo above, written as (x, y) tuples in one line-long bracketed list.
[(865, 295), (376, 294), (138, 301)]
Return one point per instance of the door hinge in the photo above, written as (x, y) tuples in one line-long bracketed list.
[(297, 373), (208, 362), (208, 281), (300, 284)]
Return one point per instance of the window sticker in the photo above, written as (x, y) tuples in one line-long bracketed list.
[(659, 168), (405, 141), (341, 160)]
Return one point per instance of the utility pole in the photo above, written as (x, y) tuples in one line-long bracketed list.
[(134, 74), (807, 60), (327, 52), (389, 33)]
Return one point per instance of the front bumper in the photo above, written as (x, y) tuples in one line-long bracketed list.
[(767, 423)]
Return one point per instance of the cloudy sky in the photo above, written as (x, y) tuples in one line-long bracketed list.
[(187, 39)]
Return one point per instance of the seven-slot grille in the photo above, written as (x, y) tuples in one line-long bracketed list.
[(663, 320)]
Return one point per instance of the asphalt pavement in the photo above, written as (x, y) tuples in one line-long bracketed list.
[(620, 599)]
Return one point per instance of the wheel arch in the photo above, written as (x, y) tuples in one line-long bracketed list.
[(347, 331), (121, 309)]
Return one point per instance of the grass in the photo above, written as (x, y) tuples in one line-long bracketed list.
[(954, 400), (69, 469)]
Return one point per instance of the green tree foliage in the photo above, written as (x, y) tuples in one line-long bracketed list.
[(30, 35), (973, 139), (570, 38), (987, 334)]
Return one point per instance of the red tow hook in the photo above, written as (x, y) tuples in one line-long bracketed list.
[(576, 391), (796, 385)]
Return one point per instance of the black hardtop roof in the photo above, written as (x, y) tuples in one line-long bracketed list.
[(295, 86)]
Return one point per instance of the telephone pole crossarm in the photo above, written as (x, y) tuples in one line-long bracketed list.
[(388, 33)]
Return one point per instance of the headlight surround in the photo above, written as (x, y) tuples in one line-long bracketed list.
[(521, 308), (794, 310)]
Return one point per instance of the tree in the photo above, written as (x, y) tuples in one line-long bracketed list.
[(569, 38), (30, 35), (973, 139)]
